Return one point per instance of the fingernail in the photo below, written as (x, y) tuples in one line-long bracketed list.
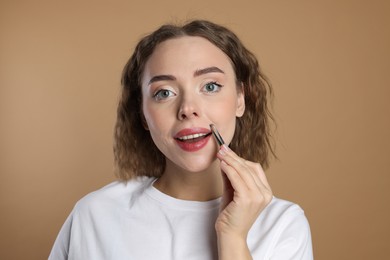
[(225, 148)]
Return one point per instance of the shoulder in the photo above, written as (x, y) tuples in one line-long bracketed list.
[(285, 229), (114, 195), (95, 220), (279, 208), (279, 214), (284, 215)]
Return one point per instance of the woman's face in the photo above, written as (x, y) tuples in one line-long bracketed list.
[(188, 83)]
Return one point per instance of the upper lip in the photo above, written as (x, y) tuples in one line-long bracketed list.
[(191, 131)]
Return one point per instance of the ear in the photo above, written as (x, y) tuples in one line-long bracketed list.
[(240, 101), (144, 124)]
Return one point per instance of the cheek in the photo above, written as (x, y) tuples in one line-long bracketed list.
[(224, 116), (155, 124), (224, 112), (150, 113), (228, 108), (157, 119)]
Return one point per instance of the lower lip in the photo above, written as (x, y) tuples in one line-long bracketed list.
[(193, 146)]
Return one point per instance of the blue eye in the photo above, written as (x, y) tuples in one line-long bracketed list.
[(163, 94), (212, 87)]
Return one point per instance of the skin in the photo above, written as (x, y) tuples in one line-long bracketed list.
[(189, 83)]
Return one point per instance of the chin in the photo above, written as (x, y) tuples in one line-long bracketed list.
[(198, 166)]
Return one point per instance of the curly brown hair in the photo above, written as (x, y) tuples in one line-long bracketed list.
[(134, 151)]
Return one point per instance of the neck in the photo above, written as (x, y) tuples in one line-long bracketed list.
[(198, 186)]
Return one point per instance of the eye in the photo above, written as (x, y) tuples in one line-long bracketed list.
[(163, 94), (212, 87)]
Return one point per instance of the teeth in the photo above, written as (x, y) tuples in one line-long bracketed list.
[(187, 137)]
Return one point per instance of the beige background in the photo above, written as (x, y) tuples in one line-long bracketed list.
[(329, 61)]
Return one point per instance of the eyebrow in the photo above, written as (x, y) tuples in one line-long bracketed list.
[(196, 74), (207, 70), (161, 78)]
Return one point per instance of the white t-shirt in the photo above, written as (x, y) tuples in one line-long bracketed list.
[(134, 220)]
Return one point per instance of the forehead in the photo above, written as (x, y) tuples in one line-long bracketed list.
[(186, 54)]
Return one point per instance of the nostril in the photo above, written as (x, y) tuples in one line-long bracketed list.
[(186, 115), (187, 110)]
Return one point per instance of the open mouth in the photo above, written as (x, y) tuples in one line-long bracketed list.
[(193, 138)]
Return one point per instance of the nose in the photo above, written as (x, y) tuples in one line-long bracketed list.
[(188, 108)]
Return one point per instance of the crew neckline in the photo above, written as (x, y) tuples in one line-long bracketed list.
[(181, 204)]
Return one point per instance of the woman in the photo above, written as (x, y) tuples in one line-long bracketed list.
[(180, 194)]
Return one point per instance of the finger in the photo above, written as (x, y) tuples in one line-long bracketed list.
[(247, 191), (254, 169), (234, 178), (262, 181), (240, 167), (259, 172)]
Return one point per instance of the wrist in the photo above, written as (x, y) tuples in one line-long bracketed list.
[(232, 246)]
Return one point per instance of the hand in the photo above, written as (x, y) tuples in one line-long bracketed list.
[(246, 194)]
